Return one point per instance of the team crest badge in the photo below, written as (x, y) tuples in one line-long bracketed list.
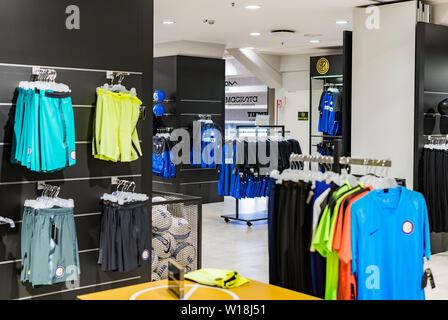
[(408, 227)]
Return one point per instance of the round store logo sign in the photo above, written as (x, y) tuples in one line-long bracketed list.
[(60, 271), (408, 227), (145, 255), (323, 66), (73, 155)]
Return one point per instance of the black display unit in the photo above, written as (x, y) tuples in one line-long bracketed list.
[(34, 33), (431, 87), (195, 87), (333, 71)]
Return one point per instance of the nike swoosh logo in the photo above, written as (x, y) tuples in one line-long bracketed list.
[(371, 233), (169, 247)]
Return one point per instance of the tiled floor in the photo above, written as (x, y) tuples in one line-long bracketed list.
[(235, 246)]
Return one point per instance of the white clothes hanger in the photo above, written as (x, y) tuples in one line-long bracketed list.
[(378, 182), (123, 196), (8, 221), (49, 199)]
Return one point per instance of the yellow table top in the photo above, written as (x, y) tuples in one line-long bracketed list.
[(158, 290)]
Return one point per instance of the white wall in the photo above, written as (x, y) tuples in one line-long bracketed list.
[(383, 87), (440, 14), (189, 48), (295, 95)]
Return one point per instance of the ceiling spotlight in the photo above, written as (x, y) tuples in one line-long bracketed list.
[(255, 34), (168, 22), (341, 22), (315, 41), (253, 7)]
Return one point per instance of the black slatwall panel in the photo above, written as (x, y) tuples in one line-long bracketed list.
[(431, 87), (34, 33), (196, 86)]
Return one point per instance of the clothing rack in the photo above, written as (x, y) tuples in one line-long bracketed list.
[(236, 217), (365, 162), (111, 75), (310, 158), (343, 160), (44, 74), (333, 85), (165, 130), (48, 190), (437, 139)]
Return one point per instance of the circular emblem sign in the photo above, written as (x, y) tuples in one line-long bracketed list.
[(408, 227), (323, 65), (145, 255), (60, 271)]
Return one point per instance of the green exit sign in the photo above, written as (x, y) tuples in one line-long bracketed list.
[(303, 116)]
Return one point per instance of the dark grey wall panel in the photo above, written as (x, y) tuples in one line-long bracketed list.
[(33, 24), (201, 79), (198, 175), (199, 107), (187, 121), (205, 190), (430, 88), (164, 187), (91, 275), (198, 87), (165, 76)]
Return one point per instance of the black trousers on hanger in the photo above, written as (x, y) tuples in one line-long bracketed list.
[(290, 238), (273, 205), (435, 188)]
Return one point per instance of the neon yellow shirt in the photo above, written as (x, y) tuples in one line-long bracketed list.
[(324, 239)]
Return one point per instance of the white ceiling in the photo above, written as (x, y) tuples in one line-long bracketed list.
[(233, 24)]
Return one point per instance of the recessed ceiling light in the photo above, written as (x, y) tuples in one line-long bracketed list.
[(168, 22), (341, 22), (315, 41), (255, 34), (253, 7)]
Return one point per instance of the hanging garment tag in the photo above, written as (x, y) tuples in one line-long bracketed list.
[(100, 257), (54, 232), (430, 277), (310, 197), (424, 280)]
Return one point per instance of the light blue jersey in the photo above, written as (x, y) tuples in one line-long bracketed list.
[(390, 236)]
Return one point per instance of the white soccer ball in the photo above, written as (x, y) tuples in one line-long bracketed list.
[(162, 269), (159, 199), (154, 260), (155, 277), (164, 245), (180, 229), (161, 220), (185, 254)]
